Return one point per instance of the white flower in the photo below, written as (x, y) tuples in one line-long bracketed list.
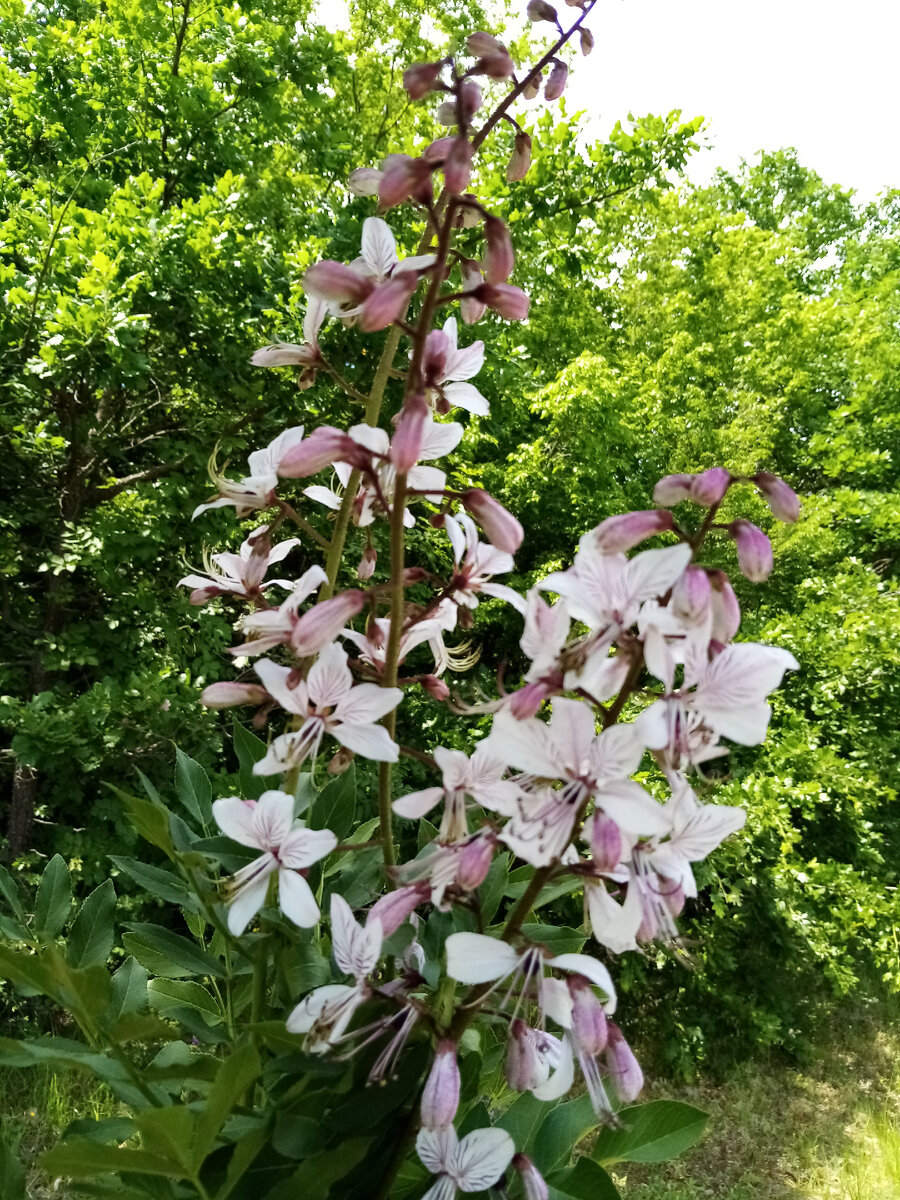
[(257, 490), (461, 364), (328, 702), (471, 1164), (273, 626), (243, 572), (288, 846), (479, 777), (478, 958), (476, 562), (372, 647)]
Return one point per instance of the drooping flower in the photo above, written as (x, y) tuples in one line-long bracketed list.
[(479, 777), (289, 354), (476, 563), (257, 490), (241, 573), (287, 848), (306, 632), (471, 1164), (448, 367)]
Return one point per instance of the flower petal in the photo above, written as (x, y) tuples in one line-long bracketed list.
[(295, 899), (417, 804), (303, 847), (467, 397), (590, 968), (562, 1078), (379, 248), (274, 679), (371, 741), (436, 1148), (234, 817), (329, 678), (477, 958), (481, 1158)]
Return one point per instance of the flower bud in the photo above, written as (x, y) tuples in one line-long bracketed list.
[(413, 575), (340, 762), (336, 281), (605, 841), (587, 40), (458, 166), (324, 621), (434, 360), (421, 78), (556, 84), (482, 44), (324, 446), (523, 1068), (388, 301), (754, 550), (533, 86), (404, 177), (624, 1069), (440, 1097), (619, 533), (286, 354), (510, 302), (495, 66), (540, 10), (366, 568), (691, 595), (393, 908), (364, 181), (709, 487), (517, 167), (781, 499), (438, 150), (726, 611), (406, 443), (471, 309), (474, 863), (466, 104), (528, 699), (499, 259), (227, 695), (672, 489), (534, 1186), (435, 687), (500, 526), (590, 1027)]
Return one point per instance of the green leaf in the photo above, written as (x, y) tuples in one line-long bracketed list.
[(80, 989), (522, 1120), (91, 937), (193, 789), (54, 900), (653, 1132), (295, 1136), (249, 750), (151, 820), (235, 1077), (128, 991), (559, 939), (103, 1130), (313, 1179), (561, 1131), (9, 889), (82, 1158), (493, 889), (168, 996), (585, 1181), (335, 806), (169, 1133), (26, 970), (12, 1172), (165, 885), (169, 954), (246, 1150)]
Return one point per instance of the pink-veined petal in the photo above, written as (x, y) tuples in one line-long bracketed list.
[(295, 899), (323, 495), (652, 572), (249, 899), (274, 680), (501, 592), (273, 817), (615, 925), (234, 817), (304, 1016), (356, 947), (463, 362), (573, 729), (633, 810), (329, 678), (562, 1078), (371, 741), (436, 1147), (439, 439), (522, 744), (467, 397), (481, 1158), (365, 703), (379, 248), (303, 847)]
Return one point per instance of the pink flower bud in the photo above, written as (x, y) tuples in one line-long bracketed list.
[(438, 150), (500, 526), (540, 10), (691, 595), (202, 595), (388, 301), (533, 86), (496, 66), (606, 842), (709, 487), (474, 863), (499, 259), (324, 621), (366, 568), (393, 908), (556, 84), (619, 533), (754, 551), (469, 101), (364, 181), (407, 440), (404, 177), (413, 575), (336, 281), (421, 78), (435, 687), (510, 302), (672, 489), (624, 1069), (227, 695), (590, 1027), (587, 40), (440, 1097), (781, 499), (517, 167), (726, 611), (528, 699), (471, 309), (522, 1067), (340, 761), (324, 446), (434, 361), (458, 166), (481, 44), (534, 1186)]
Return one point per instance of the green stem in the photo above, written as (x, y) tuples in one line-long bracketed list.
[(391, 663)]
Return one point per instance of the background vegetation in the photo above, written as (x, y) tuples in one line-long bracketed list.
[(168, 171)]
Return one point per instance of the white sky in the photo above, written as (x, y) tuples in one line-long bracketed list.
[(820, 75)]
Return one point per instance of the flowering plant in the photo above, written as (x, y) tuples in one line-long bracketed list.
[(337, 951)]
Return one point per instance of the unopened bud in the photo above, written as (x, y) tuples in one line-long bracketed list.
[(406, 443), (364, 181), (458, 166), (534, 1186), (754, 550), (691, 595), (540, 10), (336, 281), (435, 687), (500, 526), (605, 841), (556, 84), (438, 150), (340, 762), (528, 699), (286, 354), (404, 177), (533, 86), (324, 446), (324, 621), (474, 863), (388, 301), (227, 695), (495, 66), (709, 487), (627, 1076), (421, 78), (726, 611), (440, 1097), (366, 568), (471, 309), (393, 908), (517, 167), (522, 1068), (672, 489), (620, 533), (413, 575), (482, 44), (499, 258), (590, 1027), (464, 107), (508, 301), (781, 499), (587, 40)]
